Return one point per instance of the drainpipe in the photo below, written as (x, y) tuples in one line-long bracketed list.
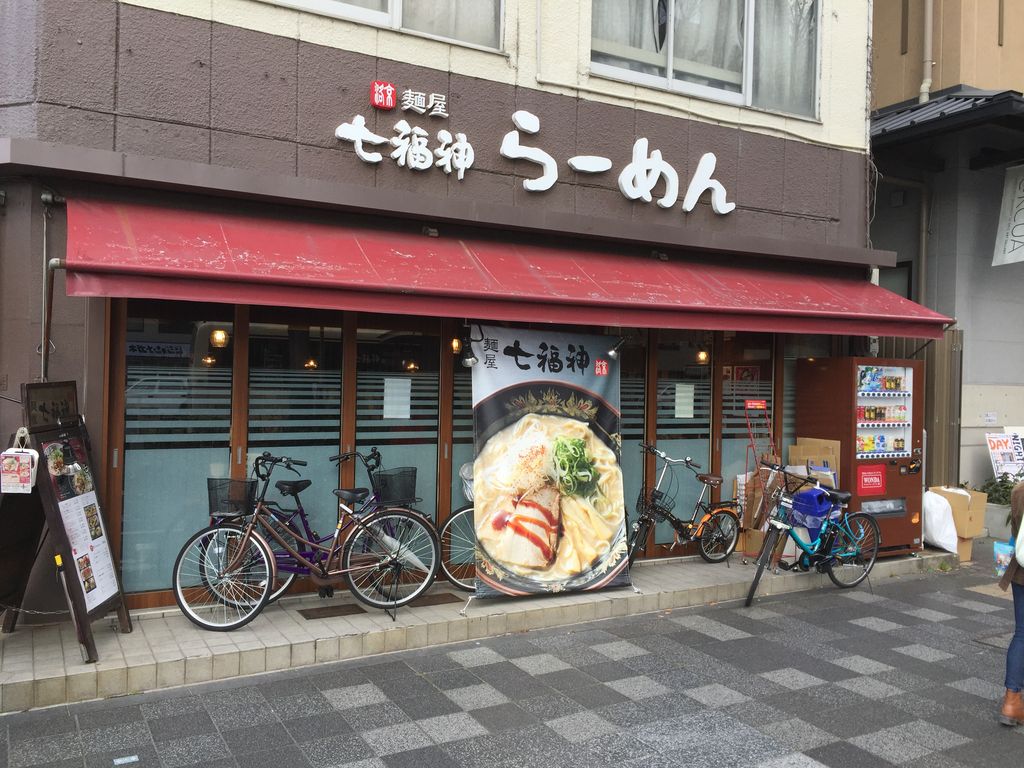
[(49, 267), (922, 248), (926, 83)]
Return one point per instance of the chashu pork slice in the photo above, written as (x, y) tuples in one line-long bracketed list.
[(525, 531)]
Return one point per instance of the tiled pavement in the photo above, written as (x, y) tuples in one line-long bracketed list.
[(907, 674), (42, 665)]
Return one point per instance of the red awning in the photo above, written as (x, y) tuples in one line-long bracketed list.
[(144, 251)]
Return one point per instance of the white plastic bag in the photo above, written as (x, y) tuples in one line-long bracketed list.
[(939, 529)]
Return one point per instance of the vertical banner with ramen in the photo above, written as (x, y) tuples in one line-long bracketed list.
[(547, 486)]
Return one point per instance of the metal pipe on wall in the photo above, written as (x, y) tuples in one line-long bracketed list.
[(926, 56), (49, 266)]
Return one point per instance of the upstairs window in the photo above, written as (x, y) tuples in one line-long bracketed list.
[(474, 22), (761, 53)]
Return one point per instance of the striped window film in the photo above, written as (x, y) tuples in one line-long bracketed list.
[(297, 413), (735, 433), (403, 440), (462, 430), (680, 434), (177, 432)]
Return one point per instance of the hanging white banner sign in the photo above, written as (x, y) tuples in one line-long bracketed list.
[(1010, 232)]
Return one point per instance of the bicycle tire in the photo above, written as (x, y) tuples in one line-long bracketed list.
[(220, 601), (719, 535), (638, 537), (284, 579), (458, 549), (391, 559), (763, 559), (854, 558)]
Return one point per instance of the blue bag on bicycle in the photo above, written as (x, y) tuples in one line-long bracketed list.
[(810, 508)]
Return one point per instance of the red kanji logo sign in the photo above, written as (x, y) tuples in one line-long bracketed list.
[(382, 94), (600, 367)]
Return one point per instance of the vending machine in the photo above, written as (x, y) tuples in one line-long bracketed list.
[(874, 408)]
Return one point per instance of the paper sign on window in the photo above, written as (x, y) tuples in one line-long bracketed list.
[(397, 398), (684, 401)]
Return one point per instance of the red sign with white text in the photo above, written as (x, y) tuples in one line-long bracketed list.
[(871, 480), (382, 94)]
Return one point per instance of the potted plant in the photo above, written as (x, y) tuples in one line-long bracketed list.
[(997, 509)]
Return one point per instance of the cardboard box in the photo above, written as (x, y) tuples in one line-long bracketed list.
[(968, 510), (963, 549), (817, 452), (751, 542)]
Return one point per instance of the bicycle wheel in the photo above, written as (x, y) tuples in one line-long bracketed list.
[(207, 593), (638, 536), (391, 559), (855, 550), (719, 535), (458, 549), (284, 579), (763, 560)]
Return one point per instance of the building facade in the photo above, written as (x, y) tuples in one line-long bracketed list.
[(946, 137), (267, 210)]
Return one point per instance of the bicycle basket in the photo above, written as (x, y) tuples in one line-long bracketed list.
[(395, 486), (230, 498), (659, 502)]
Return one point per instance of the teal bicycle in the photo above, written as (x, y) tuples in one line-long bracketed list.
[(843, 545)]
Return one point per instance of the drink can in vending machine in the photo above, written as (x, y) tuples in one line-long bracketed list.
[(861, 410)]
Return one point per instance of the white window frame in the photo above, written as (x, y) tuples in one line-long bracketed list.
[(744, 98), (390, 19)]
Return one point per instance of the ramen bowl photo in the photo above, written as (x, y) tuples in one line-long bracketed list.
[(547, 487)]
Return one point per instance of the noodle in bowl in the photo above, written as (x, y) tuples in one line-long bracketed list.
[(531, 527)]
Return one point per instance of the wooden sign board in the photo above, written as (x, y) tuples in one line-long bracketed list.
[(66, 488)]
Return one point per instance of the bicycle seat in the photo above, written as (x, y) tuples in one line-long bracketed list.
[(838, 497), (292, 487), (352, 495), (713, 480)]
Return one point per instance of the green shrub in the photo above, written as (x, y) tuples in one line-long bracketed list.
[(999, 488)]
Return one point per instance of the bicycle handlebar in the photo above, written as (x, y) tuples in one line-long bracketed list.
[(371, 461), (665, 457), (264, 464)]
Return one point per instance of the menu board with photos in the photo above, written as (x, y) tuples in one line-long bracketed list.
[(67, 471), (65, 496)]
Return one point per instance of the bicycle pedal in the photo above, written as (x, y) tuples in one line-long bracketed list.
[(326, 592), (785, 566)]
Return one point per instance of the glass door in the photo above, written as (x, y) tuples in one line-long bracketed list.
[(684, 417), (397, 391), (295, 401), (177, 426), (744, 367)]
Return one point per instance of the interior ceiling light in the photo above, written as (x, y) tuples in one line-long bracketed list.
[(456, 344), (218, 338), (311, 364), (703, 356), (209, 360)]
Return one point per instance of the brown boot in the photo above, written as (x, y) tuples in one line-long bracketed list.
[(1012, 712)]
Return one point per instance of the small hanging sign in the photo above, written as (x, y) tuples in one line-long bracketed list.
[(18, 466)]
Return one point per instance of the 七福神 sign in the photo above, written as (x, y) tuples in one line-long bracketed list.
[(455, 154), (1006, 452), (1009, 247), (548, 501)]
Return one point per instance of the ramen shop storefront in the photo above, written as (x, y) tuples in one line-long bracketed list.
[(232, 335)]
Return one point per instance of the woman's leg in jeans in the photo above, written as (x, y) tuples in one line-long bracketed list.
[(1015, 653)]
